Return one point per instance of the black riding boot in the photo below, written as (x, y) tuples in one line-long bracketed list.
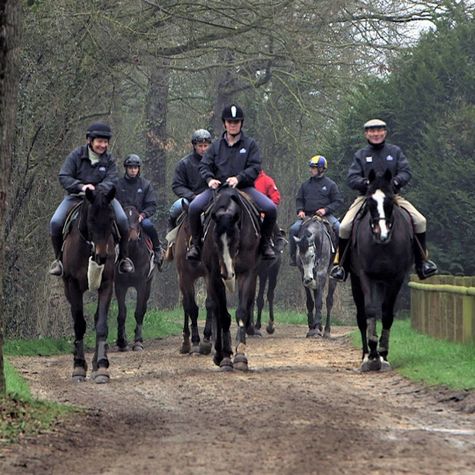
[(56, 267), (194, 253), (170, 223), (157, 246), (424, 267), (342, 263), (267, 251), (125, 264)]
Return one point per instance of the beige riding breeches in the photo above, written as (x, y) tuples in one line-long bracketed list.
[(420, 223)]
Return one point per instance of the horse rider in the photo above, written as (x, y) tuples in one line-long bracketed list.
[(379, 155), (266, 185), (187, 180), (320, 196), (89, 166), (233, 159), (134, 190)]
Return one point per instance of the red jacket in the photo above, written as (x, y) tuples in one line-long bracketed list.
[(266, 185)]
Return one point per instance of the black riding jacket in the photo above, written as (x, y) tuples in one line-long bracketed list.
[(77, 170), (318, 192), (378, 158), (187, 181), (241, 160), (138, 192)]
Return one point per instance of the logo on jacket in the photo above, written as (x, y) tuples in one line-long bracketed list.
[(102, 169), (369, 159), (140, 190), (324, 188), (389, 158), (243, 150)]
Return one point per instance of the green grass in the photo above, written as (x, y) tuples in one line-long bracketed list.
[(423, 358)]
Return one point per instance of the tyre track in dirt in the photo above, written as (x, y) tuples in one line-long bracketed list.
[(302, 408)]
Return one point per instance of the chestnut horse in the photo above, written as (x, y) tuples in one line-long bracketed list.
[(88, 262)]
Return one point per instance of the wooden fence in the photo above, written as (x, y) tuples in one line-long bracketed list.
[(444, 307)]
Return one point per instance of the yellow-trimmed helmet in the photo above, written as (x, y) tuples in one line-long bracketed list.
[(318, 161)]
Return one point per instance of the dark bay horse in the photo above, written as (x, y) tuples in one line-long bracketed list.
[(231, 254), (189, 271), (315, 253), (141, 280), (381, 256), (88, 262), (267, 273)]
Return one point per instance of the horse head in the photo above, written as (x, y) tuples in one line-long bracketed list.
[(134, 222), (380, 203), (226, 215), (98, 222), (309, 252)]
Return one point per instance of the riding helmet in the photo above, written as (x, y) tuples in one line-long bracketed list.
[(318, 161), (200, 136), (132, 160), (232, 112), (98, 130)]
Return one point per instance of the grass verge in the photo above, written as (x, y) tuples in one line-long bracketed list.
[(423, 358)]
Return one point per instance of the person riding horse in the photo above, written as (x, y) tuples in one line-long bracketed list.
[(135, 190), (233, 159), (320, 196), (380, 156), (89, 166), (187, 180)]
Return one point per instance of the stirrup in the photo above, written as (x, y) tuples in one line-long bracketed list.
[(427, 269), (126, 266), (194, 253)]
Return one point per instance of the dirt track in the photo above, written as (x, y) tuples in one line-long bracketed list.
[(301, 409)]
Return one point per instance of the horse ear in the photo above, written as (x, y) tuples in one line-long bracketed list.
[(111, 194), (371, 175), (388, 176), (90, 195)]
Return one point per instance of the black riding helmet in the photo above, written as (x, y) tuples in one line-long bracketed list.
[(98, 130), (133, 160), (232, 112)]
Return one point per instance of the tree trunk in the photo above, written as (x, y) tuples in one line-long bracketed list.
[(9, 33)]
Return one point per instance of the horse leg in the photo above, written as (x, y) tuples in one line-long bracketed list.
[(100, 362), (387, 321), (312, 331), (329, 304), (260, 298), (189, 306), (120, 293), (205, 345), (143, 294), (247, 290), (270, 299), (319, 291), (372, 307), (74, 296), (358, 298)]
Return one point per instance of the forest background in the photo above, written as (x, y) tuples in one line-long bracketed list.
[(307, 73)]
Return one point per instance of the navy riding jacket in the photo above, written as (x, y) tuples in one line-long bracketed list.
[(318, 192), (241, 160), (187, 181), (378, 158), (138, 192)]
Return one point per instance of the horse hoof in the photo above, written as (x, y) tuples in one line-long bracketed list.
[(373, 364), (123, 349), (226, 364), (138, 346), (185, 348), (101, 376), (195, 350), (205, 347), (327, 334), (385, 366), (270, 329), (240, 362), (257, 333), (79, 374), (313, 332)]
